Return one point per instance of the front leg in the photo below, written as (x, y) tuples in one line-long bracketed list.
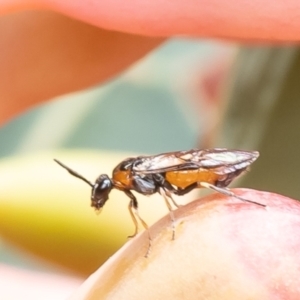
[(133, 205), (134, 213)]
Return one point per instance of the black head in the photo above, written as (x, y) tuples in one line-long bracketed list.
[(100, 190)]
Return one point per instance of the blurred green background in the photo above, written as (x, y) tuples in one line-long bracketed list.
[(155, 106)]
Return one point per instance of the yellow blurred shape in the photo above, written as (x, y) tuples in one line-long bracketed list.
[(47, 212)]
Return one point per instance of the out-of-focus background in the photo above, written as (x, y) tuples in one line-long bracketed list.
[(168, 101), (186, 93), (155, 106), (165, 102)]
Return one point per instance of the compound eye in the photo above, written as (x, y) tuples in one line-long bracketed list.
[(105, 184)]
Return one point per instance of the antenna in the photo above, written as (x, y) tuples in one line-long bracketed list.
[(74, 173)]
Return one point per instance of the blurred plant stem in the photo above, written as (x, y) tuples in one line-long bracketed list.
[(262, 113)]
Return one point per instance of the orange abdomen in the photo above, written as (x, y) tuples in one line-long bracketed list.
[(182, 179)]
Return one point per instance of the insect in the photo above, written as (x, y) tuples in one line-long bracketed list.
[(170, 173)]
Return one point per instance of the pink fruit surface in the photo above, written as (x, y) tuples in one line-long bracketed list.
[(224, 249)]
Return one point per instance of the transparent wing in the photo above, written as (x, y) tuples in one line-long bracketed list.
[(222, 160)]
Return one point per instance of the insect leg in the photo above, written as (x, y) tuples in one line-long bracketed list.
[(185, 190), (163, 192), (166, 186), (134, 213), (172, 199), (130, 208), (224, 191), (227, 192)]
